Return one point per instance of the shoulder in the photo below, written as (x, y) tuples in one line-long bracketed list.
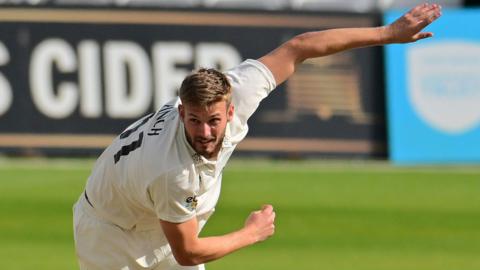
[(251, 82), (252, 72)]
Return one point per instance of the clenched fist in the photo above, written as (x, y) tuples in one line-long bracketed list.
[(261, 223)]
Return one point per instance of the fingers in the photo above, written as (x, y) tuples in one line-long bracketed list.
[(427, 14), (420, 10), (267, 208), (424, 11), (430, 14), (422, 35), (272, 218), (268, 213)]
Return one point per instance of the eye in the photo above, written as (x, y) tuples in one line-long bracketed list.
[(194, 121), (215, 121)]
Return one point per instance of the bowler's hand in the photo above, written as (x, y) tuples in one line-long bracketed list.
[(408, 27), (261, 223)]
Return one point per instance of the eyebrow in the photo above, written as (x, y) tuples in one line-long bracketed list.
[(210, 116)]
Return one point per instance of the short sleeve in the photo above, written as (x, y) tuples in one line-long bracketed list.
[(251, 82), (172, 197)]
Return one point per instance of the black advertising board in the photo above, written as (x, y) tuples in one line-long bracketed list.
[(71, 79)]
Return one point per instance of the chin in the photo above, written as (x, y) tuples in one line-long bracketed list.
[(207, 152), (203, 151)]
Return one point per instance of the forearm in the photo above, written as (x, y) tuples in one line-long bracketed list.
[(189, 249), (207, 249), (282, 61), (322, 43)]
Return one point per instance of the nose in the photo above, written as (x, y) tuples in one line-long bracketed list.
[(205, 130)]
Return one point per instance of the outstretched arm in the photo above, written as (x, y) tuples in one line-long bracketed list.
[(283, 60)]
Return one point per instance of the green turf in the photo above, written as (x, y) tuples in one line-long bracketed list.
[(330, 215)]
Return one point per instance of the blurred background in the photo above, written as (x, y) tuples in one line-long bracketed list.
[(74, 73), (374, 153)]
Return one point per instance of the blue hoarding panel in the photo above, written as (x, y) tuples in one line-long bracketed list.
[(433, 92)]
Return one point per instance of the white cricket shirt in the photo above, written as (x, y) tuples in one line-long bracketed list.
[(151, 172)]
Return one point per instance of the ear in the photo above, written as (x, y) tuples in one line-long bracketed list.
[(181, 111), (230, 111)]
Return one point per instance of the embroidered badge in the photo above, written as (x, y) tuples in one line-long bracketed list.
[(191, 203)]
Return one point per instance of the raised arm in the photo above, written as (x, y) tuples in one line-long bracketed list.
[(283, 60), (188, 249)]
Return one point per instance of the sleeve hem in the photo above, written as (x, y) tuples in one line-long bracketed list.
[(176, 219), (265, 72)]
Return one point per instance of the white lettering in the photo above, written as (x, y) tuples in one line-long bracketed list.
[(168, 77), (48, 53), (128, 83), (126, 60), (6, 95), (216, 55), (89, 74)]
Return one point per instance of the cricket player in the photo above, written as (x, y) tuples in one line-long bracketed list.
[(154, 188)]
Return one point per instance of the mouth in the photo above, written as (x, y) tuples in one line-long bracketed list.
[(205, 141)]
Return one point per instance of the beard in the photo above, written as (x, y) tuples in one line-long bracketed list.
[(209, 147)]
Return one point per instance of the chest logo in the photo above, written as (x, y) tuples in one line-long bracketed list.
[(191, 203)]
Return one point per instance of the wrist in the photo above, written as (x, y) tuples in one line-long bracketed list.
[(385, 34), (249, 235)]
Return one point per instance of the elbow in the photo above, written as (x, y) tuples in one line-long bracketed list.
[(311, 45), (296, 46)]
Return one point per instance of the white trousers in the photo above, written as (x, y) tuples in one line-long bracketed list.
[(104, 246)]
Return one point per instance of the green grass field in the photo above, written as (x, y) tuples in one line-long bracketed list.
[(330, 215)]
